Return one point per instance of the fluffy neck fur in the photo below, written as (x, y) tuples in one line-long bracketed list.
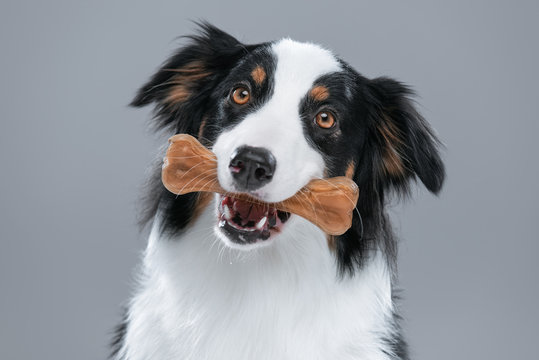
[(199, 300)]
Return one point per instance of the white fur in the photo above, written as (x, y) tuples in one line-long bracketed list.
[(200, 300), (277, 126)]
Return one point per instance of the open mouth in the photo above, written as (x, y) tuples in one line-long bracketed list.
[(244, 222)]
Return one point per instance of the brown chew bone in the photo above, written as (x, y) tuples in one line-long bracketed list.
[(328, 203)]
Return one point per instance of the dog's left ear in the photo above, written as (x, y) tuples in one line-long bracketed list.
[(404, 144)]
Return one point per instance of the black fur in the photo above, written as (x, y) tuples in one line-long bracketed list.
[(118, 337), (363, 107), (376, 101), (378, 130), (217, 52)]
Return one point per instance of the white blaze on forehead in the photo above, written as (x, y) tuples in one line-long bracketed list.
[(277, 125), (299, 65)]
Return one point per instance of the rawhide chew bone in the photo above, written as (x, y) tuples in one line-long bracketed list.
[(328, 203)]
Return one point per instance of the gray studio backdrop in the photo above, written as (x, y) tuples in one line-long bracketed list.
[(73, 159)]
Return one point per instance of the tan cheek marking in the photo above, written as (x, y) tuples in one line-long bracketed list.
[(258, 75), (326, 173), (178, 94), (183, 82), (392, 163), (350, 170), (392, 158), (320, 93), (201, 129)]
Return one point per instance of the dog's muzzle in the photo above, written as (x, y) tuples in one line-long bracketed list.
[(251, 167)]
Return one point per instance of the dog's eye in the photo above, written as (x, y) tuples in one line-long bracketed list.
[(325, 120), (240, 95)]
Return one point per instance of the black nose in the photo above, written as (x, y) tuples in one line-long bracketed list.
[(251, 167)]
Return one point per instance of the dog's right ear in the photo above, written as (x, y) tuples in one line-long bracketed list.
[(181, 87)]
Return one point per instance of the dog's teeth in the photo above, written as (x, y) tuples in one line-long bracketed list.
[(261, 223), (227, 212)]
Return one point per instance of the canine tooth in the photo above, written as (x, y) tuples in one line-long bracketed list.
[(226, 210), (261, 223)]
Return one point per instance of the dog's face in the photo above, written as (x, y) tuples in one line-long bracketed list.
[(265, 120), (280, 114), (273, 111)]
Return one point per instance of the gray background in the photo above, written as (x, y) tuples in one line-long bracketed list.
[(73, 159)]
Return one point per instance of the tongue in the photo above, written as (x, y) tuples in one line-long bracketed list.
[(249, 211)]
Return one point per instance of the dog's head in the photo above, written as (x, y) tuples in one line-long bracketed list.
[(282, 113)]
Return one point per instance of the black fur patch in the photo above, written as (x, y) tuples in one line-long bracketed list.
[(214, 54), (377, 129)]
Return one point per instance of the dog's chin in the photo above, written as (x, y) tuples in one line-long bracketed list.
[(245, 226)]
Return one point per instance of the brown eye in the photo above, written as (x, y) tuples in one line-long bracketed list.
[(240, 95), (325, 120)]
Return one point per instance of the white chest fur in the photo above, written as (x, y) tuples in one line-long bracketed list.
[(200, 300)]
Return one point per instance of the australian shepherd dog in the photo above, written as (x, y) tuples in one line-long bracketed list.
[(222, 278)]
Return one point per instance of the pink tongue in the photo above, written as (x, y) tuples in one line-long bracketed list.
[(249, 211)]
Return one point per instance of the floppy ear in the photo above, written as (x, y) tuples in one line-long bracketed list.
[(182, 86), (404, 145), (399, 146)]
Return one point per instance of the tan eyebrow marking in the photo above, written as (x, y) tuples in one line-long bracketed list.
[(258, 74), (320, 93)]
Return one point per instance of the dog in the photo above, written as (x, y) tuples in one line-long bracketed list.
[(226, 279)]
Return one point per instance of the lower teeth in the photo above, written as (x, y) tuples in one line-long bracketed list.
[(230, 215)]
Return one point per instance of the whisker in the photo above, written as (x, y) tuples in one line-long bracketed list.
[(208, 126), (305, 199), (206, 173), (344, 193), (361, 225), (210, 180), (193, 167), (355, 207), (206, 157), (207, 184)]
